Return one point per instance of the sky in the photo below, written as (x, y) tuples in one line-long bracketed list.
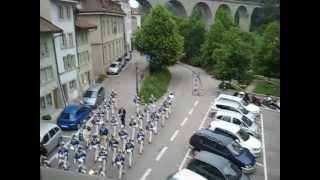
[(133, 3)]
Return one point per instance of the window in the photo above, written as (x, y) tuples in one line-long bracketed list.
[(225, 133), (49, 99), (52, 132), (70, 36), (45, 139), (108, 25), (226, 118), (205, 170), (69, 62), (68, 13), (236, 121), (73, 85), (44, 50), (46, 75), (63, 41), (103, 28), (56, 129), (83, 57), (42, 103), (61, 12), (246, 121)]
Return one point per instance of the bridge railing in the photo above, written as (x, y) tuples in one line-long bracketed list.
[(248, 2)]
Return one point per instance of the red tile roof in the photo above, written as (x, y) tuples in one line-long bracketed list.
[(47, 26), (106, 6), (83, 24)]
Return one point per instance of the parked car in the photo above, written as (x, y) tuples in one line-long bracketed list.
[(114, 68), (237, 134), (233, 106), (248, 106), (127, 57), (50, 136), (215, 167), (73, 116), (238, 119), (186, 174), (122, 62), (94, 96), (205, 139)]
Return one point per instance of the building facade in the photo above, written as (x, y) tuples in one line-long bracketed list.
[(135, 19), (51, 99), (108, 41)]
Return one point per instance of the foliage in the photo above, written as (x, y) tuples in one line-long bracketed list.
[(267, 89), (101, 78), (159, 38), (46, 117), (156, 84), (268, 59)]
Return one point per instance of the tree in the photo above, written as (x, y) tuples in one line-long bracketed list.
[(268, 60), (159, 38)]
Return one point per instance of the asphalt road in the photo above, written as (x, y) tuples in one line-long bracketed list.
[(170, 148)]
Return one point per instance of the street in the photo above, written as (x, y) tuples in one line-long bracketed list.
[(169, 150)]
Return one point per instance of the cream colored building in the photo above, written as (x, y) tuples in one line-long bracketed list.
[(108, 41)]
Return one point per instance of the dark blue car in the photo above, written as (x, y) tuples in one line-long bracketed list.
[(73, 116), (224, 146)]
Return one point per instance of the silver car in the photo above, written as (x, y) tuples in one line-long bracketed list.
[(94, 96), (50, 135)]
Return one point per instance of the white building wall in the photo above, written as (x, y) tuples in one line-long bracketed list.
[(128, 22)]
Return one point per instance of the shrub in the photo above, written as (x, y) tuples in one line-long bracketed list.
[(101, 78), (46, 117)]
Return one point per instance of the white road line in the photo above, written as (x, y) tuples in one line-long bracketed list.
[(204, 119), (148, 171), (184, 121), (184, 159), (259, 164), (174, 135), (196, 103), (190, 112), (66, 136), (264, 151), (164, 149)]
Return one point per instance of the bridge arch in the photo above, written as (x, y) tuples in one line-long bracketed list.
[(242, 18), (176, 7), (205, 12)]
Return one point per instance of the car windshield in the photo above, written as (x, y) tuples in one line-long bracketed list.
[(245, 103), (65, 115), (113, 65), (235, 148), (247, 121), (91, 94), (243, 110), (244, 135), (232, 171)]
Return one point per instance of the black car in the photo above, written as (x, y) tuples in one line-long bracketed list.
[(224, 146), (122, 62), (215, 167)]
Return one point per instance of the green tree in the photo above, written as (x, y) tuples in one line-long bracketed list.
[(268, 59), (160, 39)]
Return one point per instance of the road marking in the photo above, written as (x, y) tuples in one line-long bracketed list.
[(190, 112), (66, 136), (184, 121), (259, 164), (204, 119), (174, 135), (148, 171), (264, 151), (196, 103), (164, 149), (184, 159)]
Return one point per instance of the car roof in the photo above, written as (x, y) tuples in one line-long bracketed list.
[(226, 102), (95, 87), (226, 96), (45, 127), (71, 108), (223, 112), (212, 159), (186, 174), (225, 125), (225, 140)]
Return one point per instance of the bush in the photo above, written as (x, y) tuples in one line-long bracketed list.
[(247, 78), (225, 84), (101, 78), (46, 117), (157, 84)]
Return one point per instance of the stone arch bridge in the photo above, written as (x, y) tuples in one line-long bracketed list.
[(240, 10)]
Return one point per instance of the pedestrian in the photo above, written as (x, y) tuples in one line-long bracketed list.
[(122, 114)]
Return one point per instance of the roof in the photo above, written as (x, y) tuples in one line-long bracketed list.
[(226, 102), (95, 87), (212, 159), (225, 126), (104, 6), (135, 11), (71, 108), (45, 127), (212, 135), (229, 113), (186, 174), (83, 24), (226, 96), (47, 27)]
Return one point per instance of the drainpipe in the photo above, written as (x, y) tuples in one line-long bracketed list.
[(58, 74), (102, 42)]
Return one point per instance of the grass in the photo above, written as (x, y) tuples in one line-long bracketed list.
[(156, 84), (267, 89)]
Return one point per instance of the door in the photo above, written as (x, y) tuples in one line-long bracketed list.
[(52, 140), (65, 91), (45, 142)]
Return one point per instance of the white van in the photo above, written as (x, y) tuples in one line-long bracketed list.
[(50, 135)]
